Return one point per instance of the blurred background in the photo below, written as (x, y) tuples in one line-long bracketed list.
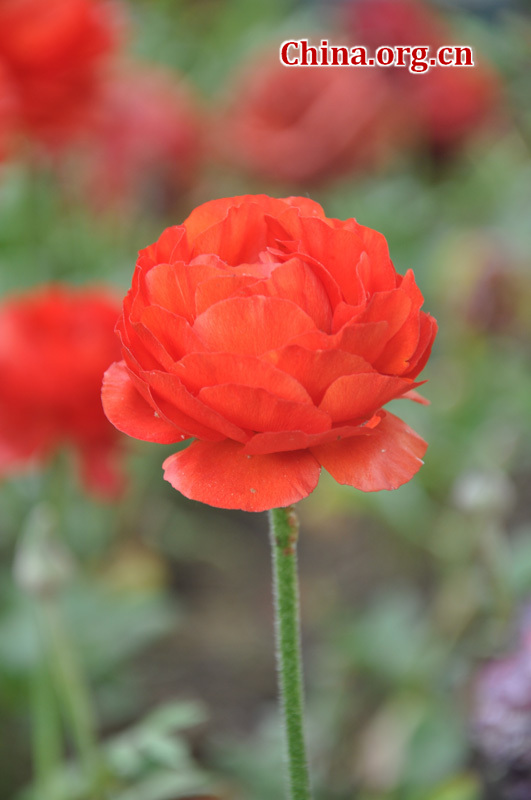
[(136, 641)]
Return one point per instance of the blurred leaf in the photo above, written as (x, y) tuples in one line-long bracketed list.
[(392, 640), (150, 761), (164, 786), (462, 787)]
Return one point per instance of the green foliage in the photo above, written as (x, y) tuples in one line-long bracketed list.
[(149, 761)]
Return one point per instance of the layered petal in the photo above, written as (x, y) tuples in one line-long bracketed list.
[(238, 238), (271, 442), (173, 286), (385, 459), (251, 325), (274, 336), (170, 246), (209, 214), (221, 288), (198, 370), (258, 410), (180, 407), (337, 250), (130, 413), (359, 396), (222, 475), (174, 334), (294, 280), (427, 334), (316, 370)]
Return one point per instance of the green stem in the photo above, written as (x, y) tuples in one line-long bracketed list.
[(71, 687), (284, 531), (47, 748)]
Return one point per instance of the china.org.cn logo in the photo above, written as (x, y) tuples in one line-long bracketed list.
[(417, 59)]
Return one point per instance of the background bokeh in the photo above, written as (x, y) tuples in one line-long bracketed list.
[(150, 615)]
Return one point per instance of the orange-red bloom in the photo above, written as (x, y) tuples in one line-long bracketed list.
[(55, 344), (273, 336), (53, 52), (305, 125)]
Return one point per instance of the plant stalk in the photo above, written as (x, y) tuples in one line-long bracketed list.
[(284, 531)]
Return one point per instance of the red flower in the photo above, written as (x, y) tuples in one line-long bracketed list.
[(304, 125), (8, 104), (55, 344), (273, 336), (53, 51), (143, 145), (444, 105)]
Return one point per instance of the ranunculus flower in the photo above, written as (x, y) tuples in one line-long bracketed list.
[(143, 146), (8, 104), (305, 125), (54, 51), (273, 336), (444, 105), (55, 344)]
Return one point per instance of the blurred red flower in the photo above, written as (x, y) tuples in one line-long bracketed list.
[(55, 344), (143, 145), (305, 125), (274, 336), (8, 103), (444, 105), (53, 52)]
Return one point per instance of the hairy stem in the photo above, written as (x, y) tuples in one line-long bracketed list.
[(284, 530)]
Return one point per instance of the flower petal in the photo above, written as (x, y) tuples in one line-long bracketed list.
[(358, 396), (221, 288), (395, 357), (306, 207), (174, 333), (416, 397), (147, 349), (173, 286), (163, 251), (251, 325), (385, 459), (180, 407), (296, 281), (284, 441), (221, 475), (214, 211), (376, 268), (236, 239), (394, 307), (337, 250), (129, 411), (198, 370), (259, 410), (316, 369), (428, 331), (364, 339)]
